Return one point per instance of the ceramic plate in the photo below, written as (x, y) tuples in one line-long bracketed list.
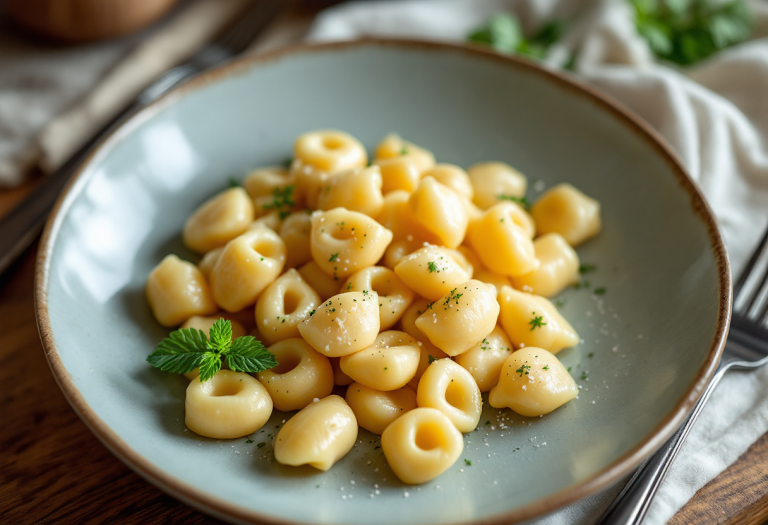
[(649, 343)]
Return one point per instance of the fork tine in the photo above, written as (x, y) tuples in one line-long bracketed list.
[(748, 286)]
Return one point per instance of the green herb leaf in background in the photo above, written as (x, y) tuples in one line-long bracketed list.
[(687, 31), (186, 349), (503, 33)]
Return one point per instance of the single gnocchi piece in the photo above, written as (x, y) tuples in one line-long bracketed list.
[(503, 245), (421, 444), (302, 374), (325, 285), (565, 210), (533, 382), (452, 390), (218, 220), (496, 181), (227, 406), (398, 173), (319, 435), (246, 267), (296, 231), (393, 146), (440, 210), (461, 318), (484, 360), (558, 267), (344, 241), (330, 151), (356, 190), (397, 217), (394, 296), (284, 304), (205, 323), (531, 320), (344, 324), (375, 410), (388, 364), (454, 177), (177, 290), (432, 271)]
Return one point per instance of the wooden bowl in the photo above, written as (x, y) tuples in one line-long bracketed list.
[(85, 20)]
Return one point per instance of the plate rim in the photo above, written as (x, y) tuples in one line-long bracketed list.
[(200, 499)]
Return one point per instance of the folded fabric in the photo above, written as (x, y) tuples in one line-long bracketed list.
[(713, 115), (53, 99)]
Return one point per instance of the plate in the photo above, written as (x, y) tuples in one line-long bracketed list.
[(649, 343)]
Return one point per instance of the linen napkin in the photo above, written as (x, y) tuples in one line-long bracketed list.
[(53, 99), (714, 115)]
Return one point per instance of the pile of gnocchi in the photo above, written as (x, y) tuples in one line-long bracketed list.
[(405, 286)]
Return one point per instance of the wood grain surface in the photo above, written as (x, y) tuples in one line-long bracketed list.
[(53, 470)]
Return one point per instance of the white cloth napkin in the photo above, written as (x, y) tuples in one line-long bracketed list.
[(54, 98), (714, 115)]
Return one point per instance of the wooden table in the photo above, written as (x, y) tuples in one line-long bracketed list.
[(53, 470)]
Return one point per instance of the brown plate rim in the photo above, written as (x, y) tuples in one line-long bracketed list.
[(613, 473)]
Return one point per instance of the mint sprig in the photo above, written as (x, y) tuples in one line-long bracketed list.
[(186, 349)]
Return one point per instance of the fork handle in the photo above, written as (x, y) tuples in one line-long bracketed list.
[(631, 505)]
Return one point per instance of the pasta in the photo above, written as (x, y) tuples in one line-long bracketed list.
[(407, 287), (461, 318), (219, 220), (300, 376), (343, 241), (177, 290), (283, 305), (375, 409), (388, 364), (319, 435), (533, 383), (452, 390), (344, 324), (565, 210), (247, 265), (229, 405), (421, 444)]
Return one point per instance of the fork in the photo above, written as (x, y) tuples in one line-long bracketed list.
[(745, 349), (20, 227)]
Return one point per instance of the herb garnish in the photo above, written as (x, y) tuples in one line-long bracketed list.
[(186, 349), (537, 321), (432, 267), (334, 257), (522, 201), (282, 198), (523, 370), (432, 359)]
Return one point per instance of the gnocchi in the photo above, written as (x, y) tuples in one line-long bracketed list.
[(405, 286)]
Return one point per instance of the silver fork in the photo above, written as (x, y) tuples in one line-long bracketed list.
[(20, 227), (745, 349)]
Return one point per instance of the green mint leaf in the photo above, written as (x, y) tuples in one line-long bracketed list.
[(249, 355), (209, 365), (221, 335), (657, 35), (175, 363)]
